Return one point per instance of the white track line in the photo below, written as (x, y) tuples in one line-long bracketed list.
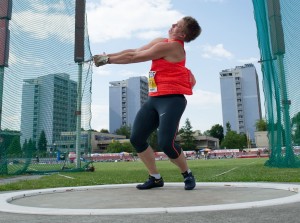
[(65, 176), (225, 172), (232, 169)]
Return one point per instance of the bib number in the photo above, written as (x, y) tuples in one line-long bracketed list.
[(151, 82)]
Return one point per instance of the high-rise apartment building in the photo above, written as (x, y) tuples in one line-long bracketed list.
[(48, 104), (125, 99), (241, 105)]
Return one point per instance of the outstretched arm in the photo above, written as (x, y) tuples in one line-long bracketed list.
[(149, 45), (154, 50)]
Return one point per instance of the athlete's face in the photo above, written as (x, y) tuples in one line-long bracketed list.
[(177, 30)]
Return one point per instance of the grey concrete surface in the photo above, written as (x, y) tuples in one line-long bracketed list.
[(130, 197)]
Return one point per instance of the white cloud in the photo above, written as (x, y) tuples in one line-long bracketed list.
[(249, 60), (100, 117), (15, 59), (50, 25), (216, 52), (131, 73), (44, 6), (112, 19), (204, 109), (220, 1), (204, 99), (102, 71), (150, 34)]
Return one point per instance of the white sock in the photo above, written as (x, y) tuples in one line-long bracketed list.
[(156, 176)]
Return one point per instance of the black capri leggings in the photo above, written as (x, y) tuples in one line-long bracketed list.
[(162, 113)]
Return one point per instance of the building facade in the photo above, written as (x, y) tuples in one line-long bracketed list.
[(202, 141), (261, 139), (241, 105), (49, 105), (125, 99), (90, 142)]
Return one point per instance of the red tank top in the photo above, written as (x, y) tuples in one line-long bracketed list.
[(169, 78)]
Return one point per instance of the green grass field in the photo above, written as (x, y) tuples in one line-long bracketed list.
[(222, 170)]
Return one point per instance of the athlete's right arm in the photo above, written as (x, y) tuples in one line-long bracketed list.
[(125, 56), (145, 47)]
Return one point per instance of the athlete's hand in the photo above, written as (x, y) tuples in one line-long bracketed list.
[(101, 60)]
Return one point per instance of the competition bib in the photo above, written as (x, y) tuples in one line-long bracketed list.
[(151, 82)]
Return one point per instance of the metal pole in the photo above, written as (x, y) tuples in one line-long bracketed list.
[(78, 114), (3, 160), (1, 92), (289, 154)]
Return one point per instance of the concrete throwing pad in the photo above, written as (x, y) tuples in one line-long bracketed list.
[(126, 199)]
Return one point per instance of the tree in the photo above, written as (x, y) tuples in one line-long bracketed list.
[(117, 147), (128, 147), (187, 138), (261, 125), (7, 137), (104, 131), (25, 145), (217, 131), (233, 140), (228, 127), (15, 147), (30, 148), (206, 133), (124, 130), (181, 130), (92, 130), (114, 147), (42, 143)]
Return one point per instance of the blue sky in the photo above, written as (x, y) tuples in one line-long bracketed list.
[(228, 39)]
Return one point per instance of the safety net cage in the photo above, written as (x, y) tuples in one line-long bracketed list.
[(278, 31), (45, 86)]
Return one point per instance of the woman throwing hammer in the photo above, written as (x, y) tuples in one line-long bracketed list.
[(169, 81)]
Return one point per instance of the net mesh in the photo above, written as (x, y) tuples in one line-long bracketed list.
[(40, 88), (278, 33)]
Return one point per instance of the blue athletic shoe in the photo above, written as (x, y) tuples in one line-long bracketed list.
[(189, 181), (151, 183)]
